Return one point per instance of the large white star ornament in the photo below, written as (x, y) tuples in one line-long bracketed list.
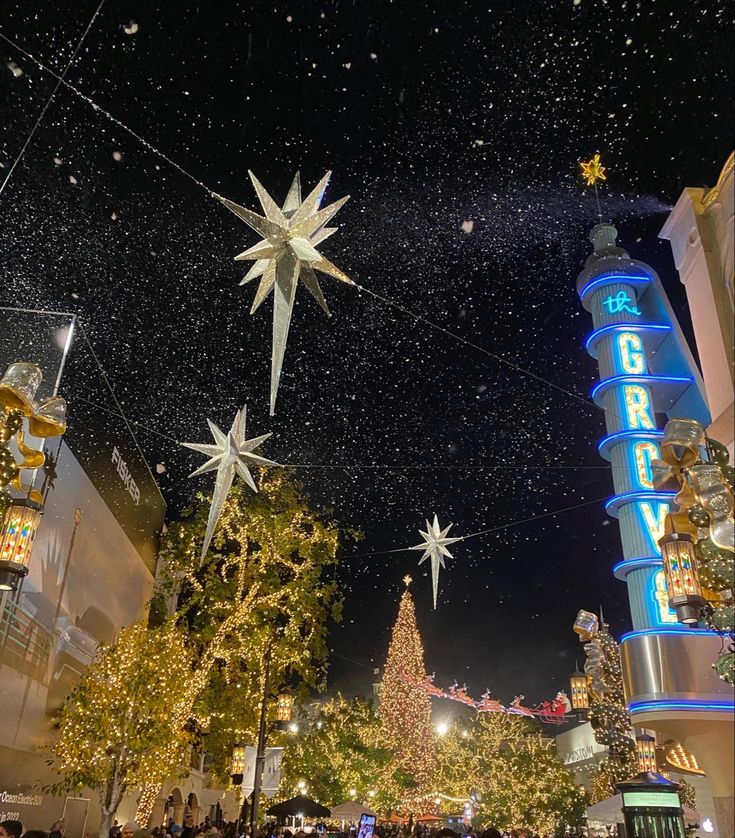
[(286, 254), (434, 546), (232, 454)]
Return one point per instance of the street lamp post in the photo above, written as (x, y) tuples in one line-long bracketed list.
[(283, 717), (260, 757)]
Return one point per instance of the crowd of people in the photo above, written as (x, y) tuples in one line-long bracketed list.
[(239, 829)]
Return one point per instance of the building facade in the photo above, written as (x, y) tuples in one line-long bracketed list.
[(700, 230), (91, 569)]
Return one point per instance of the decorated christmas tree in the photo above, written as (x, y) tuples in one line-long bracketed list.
[(405, 708), (609, 715)]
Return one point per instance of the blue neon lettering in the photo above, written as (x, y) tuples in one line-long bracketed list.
[(619, 303)]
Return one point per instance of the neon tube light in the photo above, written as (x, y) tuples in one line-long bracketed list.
[(607, 383), (622, 569), (612, 505), (593, 337), (648, 706), (607, 443), (629, 279), (653, 632)]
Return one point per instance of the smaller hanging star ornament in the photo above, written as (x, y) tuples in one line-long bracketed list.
[(435, 548), (593, 170), (232, 454)]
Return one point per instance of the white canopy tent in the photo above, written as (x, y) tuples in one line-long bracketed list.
[(350, 811)]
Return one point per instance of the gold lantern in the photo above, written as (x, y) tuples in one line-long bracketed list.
[(681, 442), (579, 687), (646, 748), (19, 518), (682, 576), (284, 707), (586, 624), (237, 769), (19, 527)]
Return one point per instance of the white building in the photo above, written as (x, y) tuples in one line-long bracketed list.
[(700, 231)]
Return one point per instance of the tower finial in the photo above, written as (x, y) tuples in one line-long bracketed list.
[(592, 171)]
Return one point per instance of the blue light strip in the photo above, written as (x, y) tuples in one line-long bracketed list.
[(628, 279), (651, 706), (607, 383), (623, 327), (612, 505), (622, 569), (657, 631), (607, 443)]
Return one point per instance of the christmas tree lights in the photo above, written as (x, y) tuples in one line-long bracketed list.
[(608, 712), (405, 709)]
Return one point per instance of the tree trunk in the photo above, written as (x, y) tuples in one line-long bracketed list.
[(105, 823), (146, 802), (110, 800)]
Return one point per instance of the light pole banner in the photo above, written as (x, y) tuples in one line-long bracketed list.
[(248, 775), (272, 771)]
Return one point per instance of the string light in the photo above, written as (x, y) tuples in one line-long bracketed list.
[(405, 709)]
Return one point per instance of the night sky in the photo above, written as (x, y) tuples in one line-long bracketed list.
[(431, 115)]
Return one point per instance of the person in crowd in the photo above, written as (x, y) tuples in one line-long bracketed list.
[(11, 829), (142, 833), (491, 832), (129, 830), (35, 833)]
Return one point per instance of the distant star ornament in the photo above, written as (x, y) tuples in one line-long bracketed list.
[(286, 253), (232, 454), (593, 170), (435, 547)]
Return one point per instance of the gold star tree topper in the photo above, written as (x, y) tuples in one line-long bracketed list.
[(286, 254), (593, 170)]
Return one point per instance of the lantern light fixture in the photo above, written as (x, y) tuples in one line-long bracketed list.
[(19, 526), (646, 748), (237, 769), (579, 688), (284, 707), (682, 576)]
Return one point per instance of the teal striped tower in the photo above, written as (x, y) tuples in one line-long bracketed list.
[(646, 374)]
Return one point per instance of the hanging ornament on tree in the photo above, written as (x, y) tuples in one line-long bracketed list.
[(286, 254), (232, 454), (434, 546)]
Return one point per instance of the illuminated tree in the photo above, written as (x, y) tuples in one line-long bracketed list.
[(118, 717), (260, 589), (514, 771), (687, 794), (338, 754), (609, 717), (405, 709)]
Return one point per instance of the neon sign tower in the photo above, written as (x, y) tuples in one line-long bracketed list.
[(647, 375)]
